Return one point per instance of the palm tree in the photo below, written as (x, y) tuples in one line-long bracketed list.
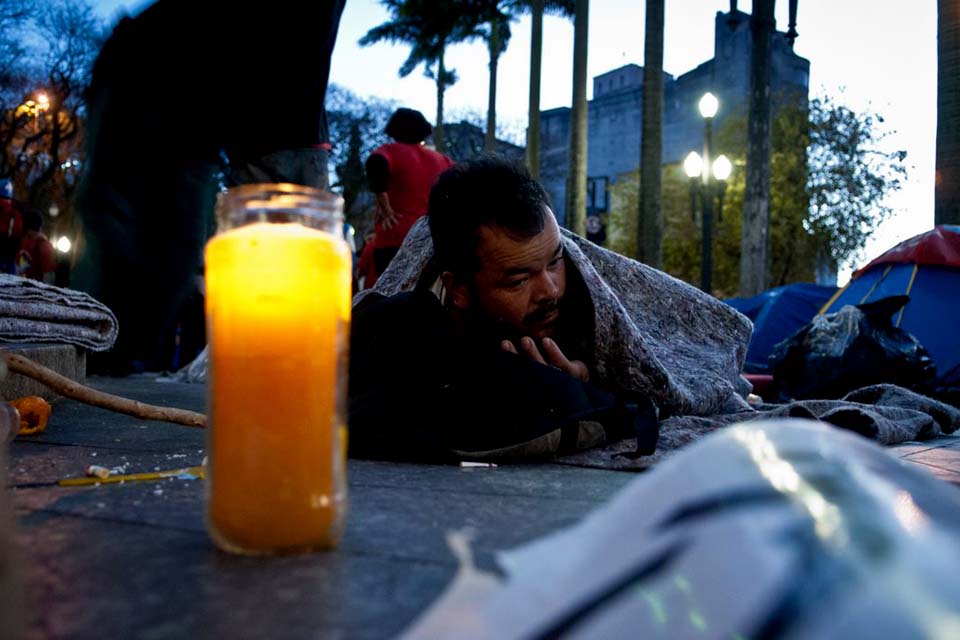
[(491, 20), (650, 227), (533, 113), (563, 8), (576, 209), (947, 189), (428, 27), (756, 201)]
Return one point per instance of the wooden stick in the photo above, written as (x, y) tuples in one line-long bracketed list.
[(72, 389)]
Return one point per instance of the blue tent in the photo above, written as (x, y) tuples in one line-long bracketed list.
[(777, 314), (926, 268)]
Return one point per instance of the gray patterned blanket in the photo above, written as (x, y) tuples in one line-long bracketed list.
[(886, 413), (31, 311), (653, 334)]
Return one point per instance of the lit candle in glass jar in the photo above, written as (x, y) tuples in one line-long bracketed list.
[(278, 317)]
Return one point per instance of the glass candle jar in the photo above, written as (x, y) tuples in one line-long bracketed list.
[(278, 293)]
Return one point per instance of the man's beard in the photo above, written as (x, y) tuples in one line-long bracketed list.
[(540, 314), (495, 329)]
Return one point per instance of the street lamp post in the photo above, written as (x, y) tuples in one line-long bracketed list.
[(708, 108), (721, 171), (712, 176)]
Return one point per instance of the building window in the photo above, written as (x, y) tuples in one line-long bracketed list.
[(597, 195)]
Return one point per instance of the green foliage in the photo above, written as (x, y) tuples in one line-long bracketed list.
[(827, 188), (356, 128), (510, 130), (46, 56), (850, 175), (491, 18), (622, 217)]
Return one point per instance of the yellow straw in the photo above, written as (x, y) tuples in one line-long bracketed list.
[(132, 477)]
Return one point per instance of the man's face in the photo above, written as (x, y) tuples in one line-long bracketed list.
[(520, 282)]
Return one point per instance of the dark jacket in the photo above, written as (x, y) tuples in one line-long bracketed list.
[(420, 391)]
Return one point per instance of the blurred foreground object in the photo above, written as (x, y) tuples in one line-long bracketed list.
[(781, 528), (11, 593)]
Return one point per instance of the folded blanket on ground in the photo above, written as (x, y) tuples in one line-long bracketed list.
[(653, 334), (31, 311), (884, 412)]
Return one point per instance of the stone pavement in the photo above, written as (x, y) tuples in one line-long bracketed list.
[(134, 560), (941, 457)]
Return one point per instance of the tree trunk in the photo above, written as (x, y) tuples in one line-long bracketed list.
[(947, 184), (533, 116), (650, 225), (438, 141), (576, 216), (490, 140), (756, 203)]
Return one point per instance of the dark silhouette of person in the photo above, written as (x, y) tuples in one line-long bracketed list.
[(174, 90)]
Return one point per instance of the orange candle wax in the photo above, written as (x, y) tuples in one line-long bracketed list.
[(278, 314)]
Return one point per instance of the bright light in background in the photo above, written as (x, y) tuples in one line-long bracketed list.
[(708, 105), (693, 165), (43, 102), (63, 244), (722, 168)]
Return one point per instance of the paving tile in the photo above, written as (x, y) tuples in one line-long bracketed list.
[(164, 583), (909, 448), (949, 475), (944, 457)]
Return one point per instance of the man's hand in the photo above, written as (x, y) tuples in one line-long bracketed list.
[(385, 215), (551, 356)]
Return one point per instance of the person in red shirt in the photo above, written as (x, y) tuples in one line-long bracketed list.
[(36, 258), (400, 174)]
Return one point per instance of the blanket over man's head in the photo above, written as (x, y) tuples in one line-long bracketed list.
[(653, 334)]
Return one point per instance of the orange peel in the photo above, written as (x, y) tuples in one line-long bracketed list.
[(34, 413)]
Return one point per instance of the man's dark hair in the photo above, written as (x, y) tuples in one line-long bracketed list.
[(32, 220), (488, 191), (408, 125)]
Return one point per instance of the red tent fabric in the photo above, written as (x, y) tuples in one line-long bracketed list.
[(940, 246)]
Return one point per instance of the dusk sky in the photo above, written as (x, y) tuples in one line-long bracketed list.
[(880, 53)]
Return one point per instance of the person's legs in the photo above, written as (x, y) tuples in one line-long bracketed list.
[(139, 250), (298, 166)]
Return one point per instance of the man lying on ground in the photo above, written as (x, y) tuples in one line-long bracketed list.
[(539, 341)]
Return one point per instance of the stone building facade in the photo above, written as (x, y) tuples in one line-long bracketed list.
[(615, 112)]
